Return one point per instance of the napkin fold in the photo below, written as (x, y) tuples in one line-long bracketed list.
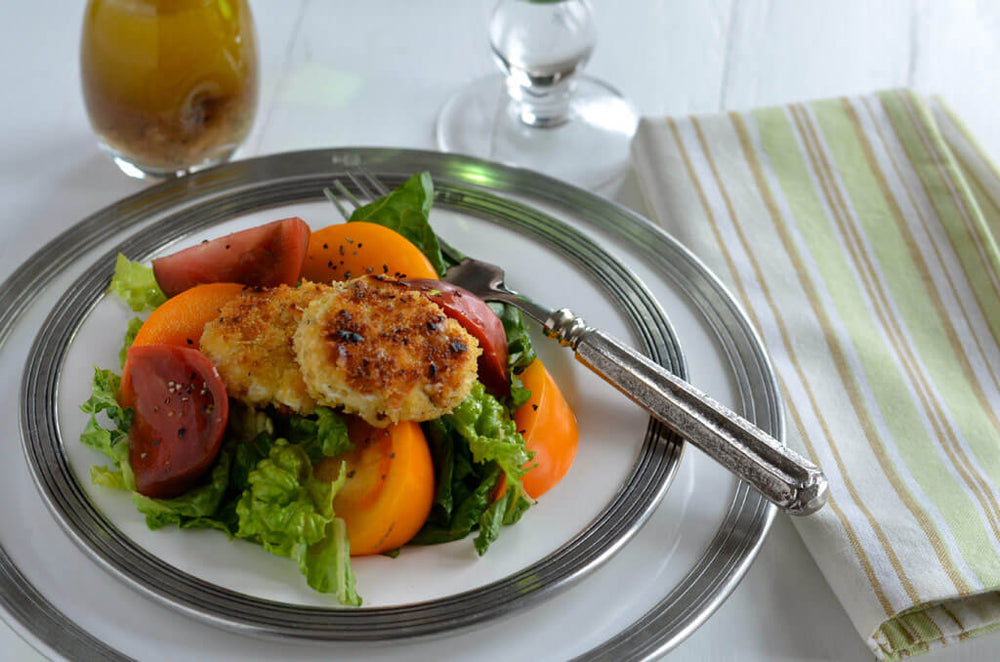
[(858, 233)]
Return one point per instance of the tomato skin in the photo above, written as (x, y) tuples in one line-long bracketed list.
[(549, 429), (479, 320), (267, 256), (390, 486), (348, 250), (181, 411)]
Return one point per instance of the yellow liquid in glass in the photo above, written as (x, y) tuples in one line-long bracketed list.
[(169, 84)]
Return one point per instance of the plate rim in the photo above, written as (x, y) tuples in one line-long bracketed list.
[(756, 514)]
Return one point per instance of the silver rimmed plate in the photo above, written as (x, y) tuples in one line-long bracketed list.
[(559, 244)]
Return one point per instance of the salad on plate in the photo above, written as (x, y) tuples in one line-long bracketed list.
[(325, 395)]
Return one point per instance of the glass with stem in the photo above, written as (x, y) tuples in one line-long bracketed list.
[(540, 112)]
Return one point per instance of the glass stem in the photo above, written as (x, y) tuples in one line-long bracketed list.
[(541, 106)]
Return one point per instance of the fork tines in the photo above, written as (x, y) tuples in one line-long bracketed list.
[(367, 185)]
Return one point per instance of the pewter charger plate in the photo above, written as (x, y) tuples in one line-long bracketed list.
[(486, 210)]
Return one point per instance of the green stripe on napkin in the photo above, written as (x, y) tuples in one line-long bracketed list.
[(858, 234)]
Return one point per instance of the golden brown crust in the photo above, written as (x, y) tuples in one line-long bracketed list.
[(385, 352), (250, 344)]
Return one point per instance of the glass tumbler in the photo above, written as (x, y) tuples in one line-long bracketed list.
[(170, 86)]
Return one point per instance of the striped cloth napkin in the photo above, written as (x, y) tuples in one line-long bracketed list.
[(858, 235)]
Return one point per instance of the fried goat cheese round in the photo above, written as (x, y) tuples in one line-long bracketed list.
[(250, 344), (384, 352)]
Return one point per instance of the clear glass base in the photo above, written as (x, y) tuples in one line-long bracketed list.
[(590, 150), (140, 171)]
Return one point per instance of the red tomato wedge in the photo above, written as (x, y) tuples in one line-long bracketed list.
[(390, 485), (181, 411), (549, 429), (267, 256), (479, 320)]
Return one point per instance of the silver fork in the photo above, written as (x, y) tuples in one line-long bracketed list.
[(784, 477)]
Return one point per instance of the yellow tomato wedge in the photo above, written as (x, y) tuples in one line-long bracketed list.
[(390, 485), (549, 429), (349, 250)]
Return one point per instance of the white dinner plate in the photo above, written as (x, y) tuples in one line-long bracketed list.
[(547, 582)]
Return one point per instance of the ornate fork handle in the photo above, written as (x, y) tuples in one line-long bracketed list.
[(782, 475)]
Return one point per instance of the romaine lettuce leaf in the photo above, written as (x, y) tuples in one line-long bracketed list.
[(278, 510), (134, 325), (113, 440), (107, 477), (327, 564), (196, 507), (474, 448), (246, 458), (490, 522), (135, 284), (407, 210), (290, 513), (324, 434), (491, 434)]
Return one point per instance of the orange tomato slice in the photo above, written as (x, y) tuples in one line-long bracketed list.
[(549, 429), (182, 318), (390, 485), (349, 250)]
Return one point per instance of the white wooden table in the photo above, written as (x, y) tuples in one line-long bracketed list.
[(339, 72)]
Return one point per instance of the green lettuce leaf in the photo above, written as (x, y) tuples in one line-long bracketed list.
[(196, 507), (327, 564), (491, 434), (324, 434), (490, 522), (520, 351), (246, 458), (107, 477), (245, 455), (278, 510), (473, 494), (103, 397), (474, 448), (135, 284), (504, 511), (134, 325), (110, 439), (407, 211), (290, 513)]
